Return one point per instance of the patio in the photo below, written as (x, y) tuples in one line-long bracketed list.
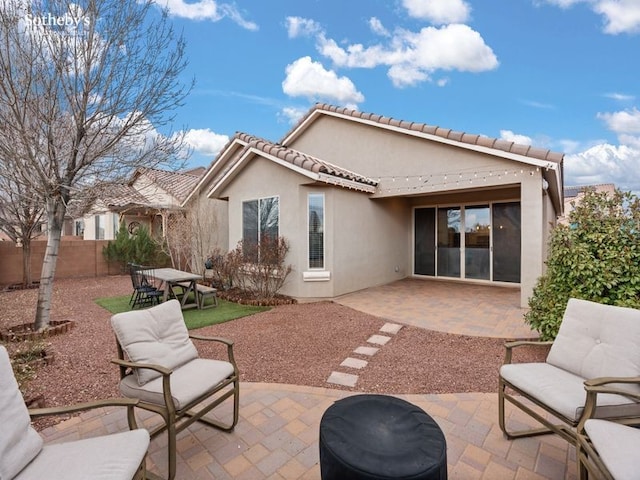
[(446, 306), (277, 435), (277, 438)]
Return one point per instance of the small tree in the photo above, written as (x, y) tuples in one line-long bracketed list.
[(82, 98), (138, 248), (595, 257)]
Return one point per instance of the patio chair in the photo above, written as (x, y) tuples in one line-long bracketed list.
[(597, 344), (144, 292), (160, 366), (606, 449), (23, 456)]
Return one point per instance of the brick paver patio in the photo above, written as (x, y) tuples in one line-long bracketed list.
[(277, 438), (277, 435), (446, 306)]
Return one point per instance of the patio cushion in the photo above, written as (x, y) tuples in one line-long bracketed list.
[(597, 340), (19, 442), (109, 457), (617, 446), (157, 335), (187, 382), (563, 391)]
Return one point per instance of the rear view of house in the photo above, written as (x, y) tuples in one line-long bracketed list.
[(365, 200)]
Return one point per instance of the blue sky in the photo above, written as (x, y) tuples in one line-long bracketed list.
[(559, 74)]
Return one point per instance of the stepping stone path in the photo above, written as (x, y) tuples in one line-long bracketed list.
[(374, 343)]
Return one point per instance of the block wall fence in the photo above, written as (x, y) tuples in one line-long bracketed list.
[(77, 258)]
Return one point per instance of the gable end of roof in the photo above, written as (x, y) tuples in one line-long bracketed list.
[(445, 133)]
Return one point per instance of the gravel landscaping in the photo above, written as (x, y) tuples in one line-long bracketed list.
[(295, 344)]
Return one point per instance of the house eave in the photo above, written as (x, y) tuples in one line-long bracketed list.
[(314, 176), (551, 170)]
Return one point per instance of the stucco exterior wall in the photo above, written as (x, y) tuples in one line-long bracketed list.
[(356, 254), (155, 194), (372, 239), (262, 179), (416, 168), (108, 221)]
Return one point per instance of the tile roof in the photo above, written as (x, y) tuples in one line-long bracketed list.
[(120, 195), (302, 160), (445, 133), (178, 184)]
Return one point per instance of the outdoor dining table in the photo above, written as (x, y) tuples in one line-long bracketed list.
[(171, 278)]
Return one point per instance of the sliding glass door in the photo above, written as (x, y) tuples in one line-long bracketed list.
[(424, 246), (449, 242), (480, 242), (477, 231), (506, 242)]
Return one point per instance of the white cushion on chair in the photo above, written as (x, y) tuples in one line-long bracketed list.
[(617, 446), (564, 392), (109, 457), (157, 335), (19, 442), (187, 382), (596, 340)]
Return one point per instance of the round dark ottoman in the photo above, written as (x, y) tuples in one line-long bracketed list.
[(380, 437)]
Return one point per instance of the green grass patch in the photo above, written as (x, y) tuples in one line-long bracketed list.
[(193, 318)]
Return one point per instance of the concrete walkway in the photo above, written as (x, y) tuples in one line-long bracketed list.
[(277, 435), (445, 306)]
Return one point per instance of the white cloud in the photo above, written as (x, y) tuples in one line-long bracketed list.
[(439, 11), (292, 114), (604, 164), (621, 97), (302, 27), (413, 56), (620, 16), (561, 3), (205, 141), (376, 27), (309, 79), (627, 121), (207, 10), (514, 137), (625, 124)]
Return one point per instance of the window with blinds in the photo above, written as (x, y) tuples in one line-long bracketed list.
[(316, 230), (260, 221)]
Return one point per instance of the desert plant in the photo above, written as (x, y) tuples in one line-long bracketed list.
[(596, 257)]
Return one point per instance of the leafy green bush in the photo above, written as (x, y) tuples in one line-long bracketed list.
[(595, 257), (139, 248)]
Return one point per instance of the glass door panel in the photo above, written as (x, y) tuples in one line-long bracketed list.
[(477, 231), (449, 242), (424, 222), (506, 242)]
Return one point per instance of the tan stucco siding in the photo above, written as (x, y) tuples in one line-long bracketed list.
[(261, 178), (404, 164), (372, 239), (156, 195)]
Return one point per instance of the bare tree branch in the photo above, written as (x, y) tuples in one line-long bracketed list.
[(84, 86)]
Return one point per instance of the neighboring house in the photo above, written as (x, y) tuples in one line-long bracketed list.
[(573, 194), (144, 200), (365, 200)]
